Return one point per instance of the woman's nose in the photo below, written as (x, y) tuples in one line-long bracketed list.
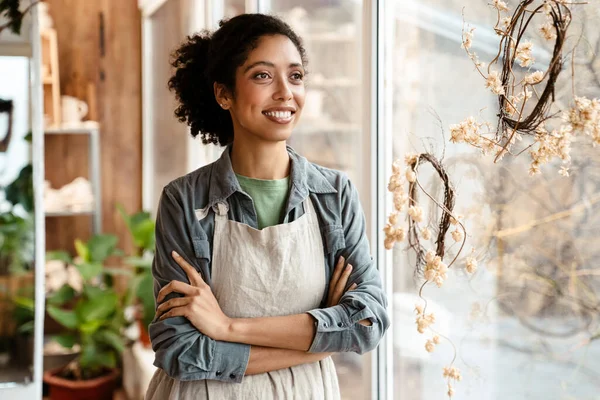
[(283, 91)]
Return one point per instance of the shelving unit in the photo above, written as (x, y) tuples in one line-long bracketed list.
[(94, 175), (50, 77)]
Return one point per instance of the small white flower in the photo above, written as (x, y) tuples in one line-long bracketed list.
[(494, 83), (468, 39), (425, 233), (454, 221), (411, 158), (548, 31), (534, 77), (500, 5), (416, 213), (564, 171), (471, 265), (457, 235), (429, 346)]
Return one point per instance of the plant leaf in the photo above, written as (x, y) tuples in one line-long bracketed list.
[(66, 340), (82, 250), (90, 327), (59, 255), (26, 328), (68, 319), (61, 296), (111, 339), (141, 262), (98, 308), (101, 247), (89, 270)]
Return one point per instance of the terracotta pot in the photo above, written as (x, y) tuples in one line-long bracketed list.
[(101, 388), (144, 336)]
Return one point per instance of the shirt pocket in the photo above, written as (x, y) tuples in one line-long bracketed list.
[(333, 238), (202, 248)]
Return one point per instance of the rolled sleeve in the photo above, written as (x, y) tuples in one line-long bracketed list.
[(338, 328), (181, 350)]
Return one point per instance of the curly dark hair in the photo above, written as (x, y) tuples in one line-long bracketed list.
[(205, 58)]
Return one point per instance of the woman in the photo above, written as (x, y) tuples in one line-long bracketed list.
[(262, 268)]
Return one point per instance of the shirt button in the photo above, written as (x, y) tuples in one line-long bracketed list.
[(219, 373), (340, 324), (232, 376), (325, 325)]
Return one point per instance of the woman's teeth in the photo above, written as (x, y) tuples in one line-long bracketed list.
[(279, 114)]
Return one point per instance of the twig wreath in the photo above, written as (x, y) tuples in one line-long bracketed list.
[(536, 89), (429, 263)]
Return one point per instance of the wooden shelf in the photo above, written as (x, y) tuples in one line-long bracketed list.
[(83, 130), (69, 213)]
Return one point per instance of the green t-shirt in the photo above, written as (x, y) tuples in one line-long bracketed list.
[(269, 197)]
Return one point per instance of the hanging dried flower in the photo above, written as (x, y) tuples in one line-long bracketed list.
[(451, 372), (471, 265), (534, 77), (425, 234), (457, 235), (494, 83), (467, 41), (429, 346), (416, 213), (548, 31), (500, 5)]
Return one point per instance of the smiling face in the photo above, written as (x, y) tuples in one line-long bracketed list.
[(269, 91)]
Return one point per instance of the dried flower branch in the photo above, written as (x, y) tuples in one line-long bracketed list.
[(429, 263), (521, 113)]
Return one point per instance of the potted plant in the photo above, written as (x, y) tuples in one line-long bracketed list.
[(92, 315), (141, 289), (23, 316), (16, 224)]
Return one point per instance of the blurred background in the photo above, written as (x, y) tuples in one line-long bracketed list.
[(88, 139)]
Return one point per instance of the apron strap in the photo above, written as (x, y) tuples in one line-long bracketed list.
[(221, 210)]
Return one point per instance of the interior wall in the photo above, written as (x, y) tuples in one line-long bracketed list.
[(99, 46)]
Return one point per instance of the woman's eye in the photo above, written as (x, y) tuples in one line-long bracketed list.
[(261, 75), (297, 76)]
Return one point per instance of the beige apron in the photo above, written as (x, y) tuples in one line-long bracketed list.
[(255, 273)]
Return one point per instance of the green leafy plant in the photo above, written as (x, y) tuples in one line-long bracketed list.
[(141, 227), (92, 318), (16, 242)]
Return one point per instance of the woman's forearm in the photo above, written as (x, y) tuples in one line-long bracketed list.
[(293, 332), (267, 359)]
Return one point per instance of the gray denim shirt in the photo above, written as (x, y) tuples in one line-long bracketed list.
[(185, 223)]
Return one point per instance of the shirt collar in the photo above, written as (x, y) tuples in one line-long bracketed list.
[(304, 176)]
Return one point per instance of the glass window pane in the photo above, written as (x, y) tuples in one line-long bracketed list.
[(525, 323), (331, 131)]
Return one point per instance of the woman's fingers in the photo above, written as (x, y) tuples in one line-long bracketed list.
[(175, 312), (168, 305), (337, 272), (193, 275), (177, 287), (341, 285)]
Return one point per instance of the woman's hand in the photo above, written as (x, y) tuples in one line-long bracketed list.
[(199, 305), (338, 282)]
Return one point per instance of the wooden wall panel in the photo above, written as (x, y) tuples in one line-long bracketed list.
[(112, 68)]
